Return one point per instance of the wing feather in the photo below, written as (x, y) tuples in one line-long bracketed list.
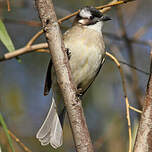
[(48, 80)]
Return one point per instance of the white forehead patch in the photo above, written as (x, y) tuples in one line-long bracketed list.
[(85, 13)]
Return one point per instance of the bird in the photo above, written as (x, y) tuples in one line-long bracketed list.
[(85, 48)]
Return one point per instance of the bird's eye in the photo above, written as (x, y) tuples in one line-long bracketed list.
[(91, 17)]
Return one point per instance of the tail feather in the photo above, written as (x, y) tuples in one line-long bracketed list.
[(47, 124), (45, 140), (56, 136), (51, 130)]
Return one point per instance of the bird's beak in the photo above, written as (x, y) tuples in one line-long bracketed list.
[(105, 18)]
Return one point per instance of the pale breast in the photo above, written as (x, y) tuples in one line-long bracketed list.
[(87, 48)]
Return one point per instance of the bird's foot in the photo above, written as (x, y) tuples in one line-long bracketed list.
[(68, 53), (79, 92)]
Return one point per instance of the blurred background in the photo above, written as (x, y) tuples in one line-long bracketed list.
[(22, 104)]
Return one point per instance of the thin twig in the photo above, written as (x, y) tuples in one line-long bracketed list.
[(134, 109), (129, 123), (125, 96), (8, 6), (26, 149), (113, 3), (34, 38), (22, 51), (133, 67)]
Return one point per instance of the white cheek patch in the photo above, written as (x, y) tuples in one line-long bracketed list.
[(84, 13), (83, 21)]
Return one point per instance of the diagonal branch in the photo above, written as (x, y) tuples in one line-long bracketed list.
[(143, 141), (25, 148), (60, 61), (22, 51)]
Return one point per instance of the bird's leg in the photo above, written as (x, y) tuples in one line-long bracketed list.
[(68, 53)]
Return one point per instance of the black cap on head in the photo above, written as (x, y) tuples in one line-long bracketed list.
[(89, 11), (95, 12), (90, 15)]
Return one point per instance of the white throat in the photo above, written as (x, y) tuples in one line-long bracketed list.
[(97, 27)]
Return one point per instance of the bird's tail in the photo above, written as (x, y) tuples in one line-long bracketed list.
[(51, 130)]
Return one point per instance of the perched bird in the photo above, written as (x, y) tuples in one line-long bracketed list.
[(86, 51)]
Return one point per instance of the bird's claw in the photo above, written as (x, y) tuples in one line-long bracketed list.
[(79, 92), (68, 53)]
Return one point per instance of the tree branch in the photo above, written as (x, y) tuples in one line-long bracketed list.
[(60, 61), (22, 51), (25, 148), (143, 141)]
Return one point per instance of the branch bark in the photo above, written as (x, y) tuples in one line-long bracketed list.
[(21, 51), (62, 68), (143, 141)]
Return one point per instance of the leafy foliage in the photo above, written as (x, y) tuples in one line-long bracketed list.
[(5, 38)]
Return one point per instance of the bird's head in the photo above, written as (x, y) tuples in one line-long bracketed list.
[(89, 16)]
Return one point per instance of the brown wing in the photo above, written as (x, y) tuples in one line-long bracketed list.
[(48, 80)]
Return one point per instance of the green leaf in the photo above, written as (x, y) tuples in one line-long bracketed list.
[(6, 40), (6, 132), (4, 37)]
